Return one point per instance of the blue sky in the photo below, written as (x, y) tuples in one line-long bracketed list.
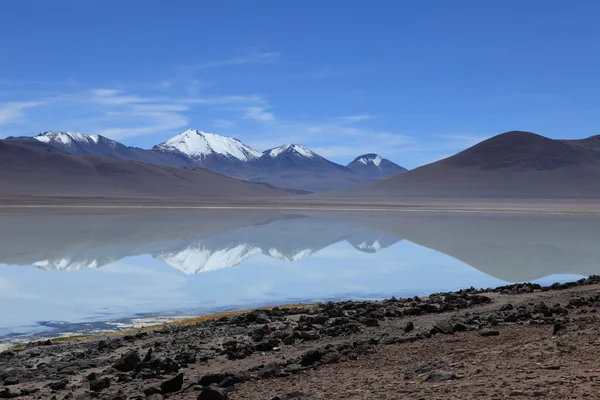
[(411, 80)]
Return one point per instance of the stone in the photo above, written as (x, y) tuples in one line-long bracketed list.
[(169, 365), (557, 327), (460, 327), (100, 384), (444, 327), (212, 393), (155, 396), (127, 362), (311, 357), (11, 381), (211, 379), (439, 376), (269, 371), (412, 311), (409, 326), (59, 385), (172, 385), (489, 332)]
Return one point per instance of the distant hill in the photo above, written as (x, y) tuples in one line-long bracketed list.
[(512, 164), (375, 168), (29, 170)]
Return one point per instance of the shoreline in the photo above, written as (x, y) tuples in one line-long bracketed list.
[(268, 349)]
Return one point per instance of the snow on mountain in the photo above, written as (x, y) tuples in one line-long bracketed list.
[(373, 167), (196, 259), (290, 148), (66, 264), (67, 138), (200, 145), (367, 159)]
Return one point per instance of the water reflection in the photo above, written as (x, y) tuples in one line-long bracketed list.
[(128, 265)]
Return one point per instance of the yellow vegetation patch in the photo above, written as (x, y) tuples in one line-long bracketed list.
[(187, 321)]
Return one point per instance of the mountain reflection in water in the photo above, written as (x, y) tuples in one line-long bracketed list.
[(97, 267)]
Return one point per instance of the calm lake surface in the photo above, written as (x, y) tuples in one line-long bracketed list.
[(92, 272)]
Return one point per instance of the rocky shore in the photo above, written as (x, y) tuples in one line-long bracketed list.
[(465, 344)]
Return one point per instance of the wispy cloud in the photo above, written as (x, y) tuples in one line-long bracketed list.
[(12, 111), (251, 58), (259, 114)]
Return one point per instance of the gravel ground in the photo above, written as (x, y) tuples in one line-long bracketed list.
[(519, 341)]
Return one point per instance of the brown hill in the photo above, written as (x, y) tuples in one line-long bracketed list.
[(513, 164), (42, 171)]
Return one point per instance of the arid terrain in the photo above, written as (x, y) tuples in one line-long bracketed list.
[(517, 341)]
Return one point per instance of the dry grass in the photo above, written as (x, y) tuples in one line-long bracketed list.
[(187, 321)]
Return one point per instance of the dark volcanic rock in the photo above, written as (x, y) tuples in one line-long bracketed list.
[(59, 385), (212, 393), (269, 371), (11, 381), (409, 326), (439, 376), (172, 385), (445, 328), (127, 362), (100, 384), (212, 379), (489, 332), (311, 357)]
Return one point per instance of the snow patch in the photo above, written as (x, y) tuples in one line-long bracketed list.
[(194, 260), (66, 138), (371, 159), (66, 264), (296, 148)]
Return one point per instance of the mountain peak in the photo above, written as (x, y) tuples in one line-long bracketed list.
[(66, 137), (375, 166), (200, 145), (369, 158), (291, 148)]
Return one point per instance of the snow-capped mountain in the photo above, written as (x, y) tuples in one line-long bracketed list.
[(288, 166), (201, 146), (375, 168), (293, 150), (101, 146)]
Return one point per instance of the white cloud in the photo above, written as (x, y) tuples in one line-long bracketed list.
[(12, 111), (259, 114), (157, 122), (350, 119)]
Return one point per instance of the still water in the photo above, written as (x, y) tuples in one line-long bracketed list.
[(93, 272)]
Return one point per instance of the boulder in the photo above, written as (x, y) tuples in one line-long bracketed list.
[(172, 385), (99, 385), (212, 393), (127, 362)]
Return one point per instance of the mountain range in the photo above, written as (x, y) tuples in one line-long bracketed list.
[(513, 164), (511, 247), (44, 171), (288, 166)]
